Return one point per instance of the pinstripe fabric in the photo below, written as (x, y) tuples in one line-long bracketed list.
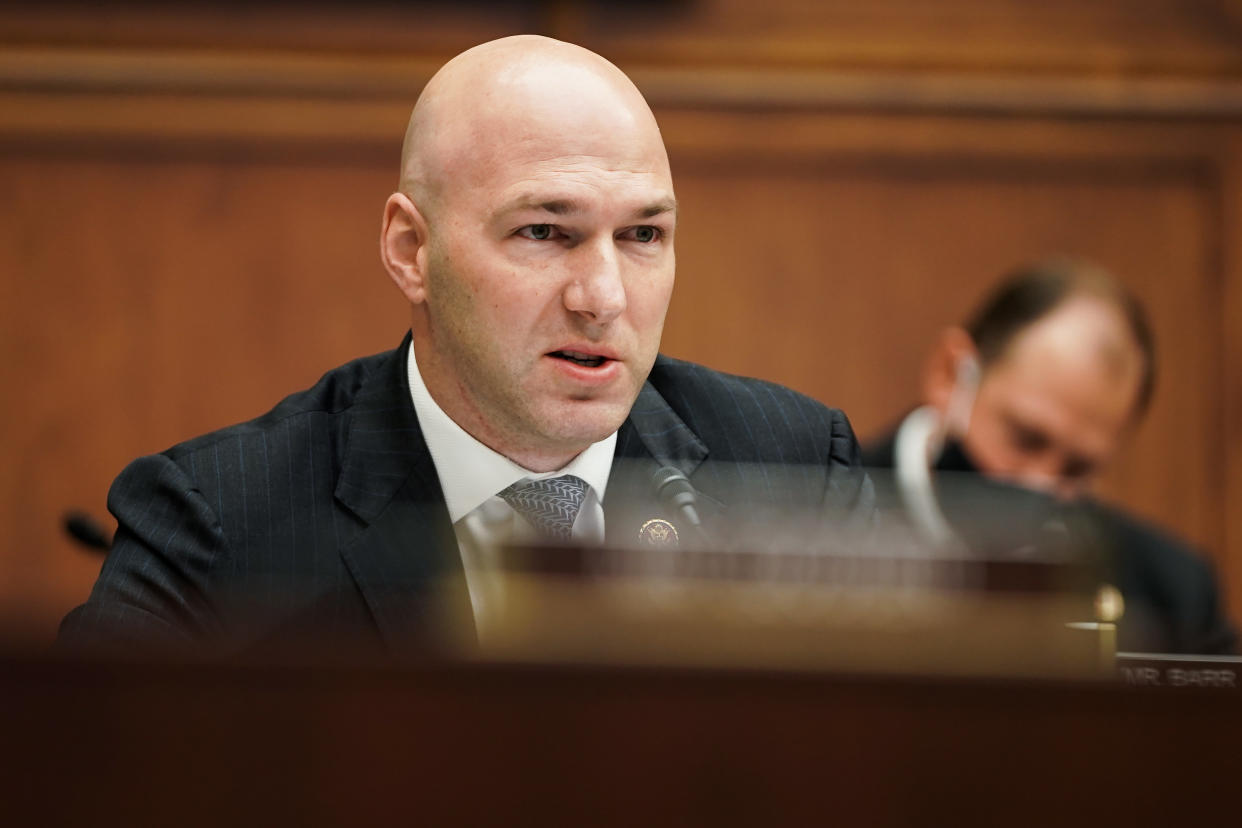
[(324, 518), (768, 446)]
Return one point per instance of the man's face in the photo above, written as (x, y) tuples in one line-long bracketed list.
[(550, 270), (1053, 409)]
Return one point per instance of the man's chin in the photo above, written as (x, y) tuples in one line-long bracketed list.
[(583, 422)]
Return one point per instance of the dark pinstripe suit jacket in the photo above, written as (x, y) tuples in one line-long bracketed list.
[(325, 517)]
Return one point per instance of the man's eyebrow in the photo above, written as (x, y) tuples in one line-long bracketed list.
[(666, 206), (567, 206), (555, 206)]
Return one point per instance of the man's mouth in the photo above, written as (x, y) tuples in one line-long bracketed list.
[(579, 358)]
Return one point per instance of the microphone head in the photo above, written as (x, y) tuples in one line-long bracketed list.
[(669, 482), (676, 492), (83, 528)]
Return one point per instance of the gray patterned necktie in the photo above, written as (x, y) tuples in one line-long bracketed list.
[(550, 505)]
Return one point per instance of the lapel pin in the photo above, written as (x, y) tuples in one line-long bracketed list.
[(659, 533)]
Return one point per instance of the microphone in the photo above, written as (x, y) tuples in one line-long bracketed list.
[(678, 495), (86, 530)]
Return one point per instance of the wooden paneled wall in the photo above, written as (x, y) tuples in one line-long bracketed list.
[(192, 198)]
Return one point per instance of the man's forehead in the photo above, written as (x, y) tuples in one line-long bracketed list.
[(572, 184), (600, 134), (496, 110), (1067, 394)]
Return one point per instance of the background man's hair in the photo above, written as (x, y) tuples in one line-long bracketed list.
[(1030, 292)]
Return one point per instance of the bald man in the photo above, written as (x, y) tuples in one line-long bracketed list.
[(1039, 391), (532, 238)]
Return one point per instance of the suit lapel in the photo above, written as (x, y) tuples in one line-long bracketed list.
[(404, 556), (652, 436)]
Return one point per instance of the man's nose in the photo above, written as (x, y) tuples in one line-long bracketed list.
[(596, 290)]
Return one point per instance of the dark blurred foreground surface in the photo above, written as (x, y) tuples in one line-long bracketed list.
[(95, 743)]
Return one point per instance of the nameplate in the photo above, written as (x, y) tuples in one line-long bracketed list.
[(1180, 671)]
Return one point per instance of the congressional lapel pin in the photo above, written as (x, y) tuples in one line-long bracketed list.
[(658, 532)]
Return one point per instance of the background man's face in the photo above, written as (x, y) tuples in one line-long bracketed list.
[(1052, 410), (550, 272)]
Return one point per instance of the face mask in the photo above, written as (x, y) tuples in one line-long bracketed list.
[(953, 458), (945, 440)]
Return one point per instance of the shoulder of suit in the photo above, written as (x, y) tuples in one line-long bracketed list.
[(1149, 546), (681, 379), (330, 397), (752, 419)]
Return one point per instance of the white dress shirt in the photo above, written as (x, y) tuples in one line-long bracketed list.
[(471, 475)]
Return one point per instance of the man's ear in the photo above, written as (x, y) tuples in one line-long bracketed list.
[(953, 360), (403, 247)]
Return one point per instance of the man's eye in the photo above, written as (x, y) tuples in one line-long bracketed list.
[(1029, 440), (644, 233), (1077, 468), (538, 232)]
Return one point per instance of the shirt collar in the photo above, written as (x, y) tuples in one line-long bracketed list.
[(470, 472)]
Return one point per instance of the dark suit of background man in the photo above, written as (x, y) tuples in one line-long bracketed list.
[(532, 235), (1040, 390)]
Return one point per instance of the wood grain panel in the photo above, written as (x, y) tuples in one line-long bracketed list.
[(152, 298), (413, 26), (1104, 37), (57, 80), (1229, 374), (1096, 36)]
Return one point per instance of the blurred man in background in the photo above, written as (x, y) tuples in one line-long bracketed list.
[(1038, 392)]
